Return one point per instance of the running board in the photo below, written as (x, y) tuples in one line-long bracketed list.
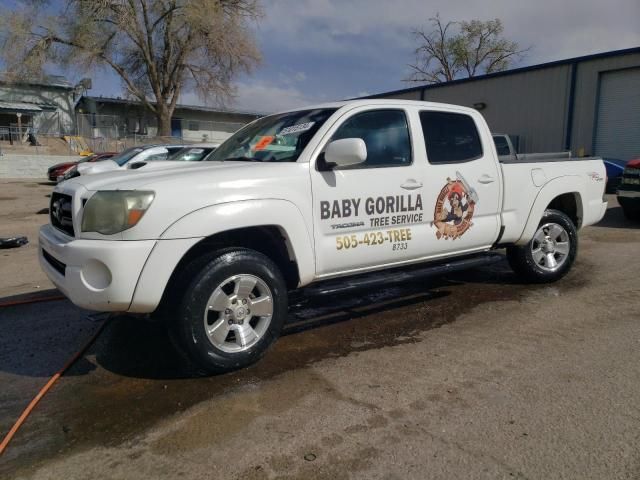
[(387, 278)]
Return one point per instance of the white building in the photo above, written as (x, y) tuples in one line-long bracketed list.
[(119, 118), (46, 105)]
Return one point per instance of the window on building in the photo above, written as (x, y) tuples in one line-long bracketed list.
[(450, 137), (194, 126), (386, 135)]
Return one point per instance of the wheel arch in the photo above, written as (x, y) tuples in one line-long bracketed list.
[(272, 220), (570, 204), (270, 240), (275, 228), (565, 194)]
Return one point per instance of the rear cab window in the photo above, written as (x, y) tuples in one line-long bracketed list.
[(450, 137), (502, 146)]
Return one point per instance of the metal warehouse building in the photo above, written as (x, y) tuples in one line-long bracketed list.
[(590, 105)]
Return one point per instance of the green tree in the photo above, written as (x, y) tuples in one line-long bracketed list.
[(159, 48), (452, 50)]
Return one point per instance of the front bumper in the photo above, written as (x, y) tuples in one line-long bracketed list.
[(631, 194), (94, 274)]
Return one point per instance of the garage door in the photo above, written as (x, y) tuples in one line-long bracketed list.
[(618, 127)]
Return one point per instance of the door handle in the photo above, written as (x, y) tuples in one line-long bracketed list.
[(411, 184), (486, 179)]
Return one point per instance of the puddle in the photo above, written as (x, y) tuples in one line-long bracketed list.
[(141, 381)]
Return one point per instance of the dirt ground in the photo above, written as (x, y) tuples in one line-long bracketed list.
[(23, 209), (473, 375)]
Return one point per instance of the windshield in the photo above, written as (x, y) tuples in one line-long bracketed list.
[(127, 155), (192, 154), (277, 138)]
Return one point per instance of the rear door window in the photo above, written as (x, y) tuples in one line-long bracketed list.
[(450, 137)]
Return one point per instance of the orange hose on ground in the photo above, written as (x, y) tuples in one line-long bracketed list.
[(32, 300), (27, 411)]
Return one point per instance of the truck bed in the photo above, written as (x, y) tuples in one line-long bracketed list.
[(544, 158), (525, 183)]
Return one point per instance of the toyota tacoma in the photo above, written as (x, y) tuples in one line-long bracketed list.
[(347, 193)]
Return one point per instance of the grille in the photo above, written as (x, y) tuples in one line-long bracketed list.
[(631, 176), (61, 214)]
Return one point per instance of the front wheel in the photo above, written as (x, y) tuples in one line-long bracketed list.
[(550, 253), (231, 312)]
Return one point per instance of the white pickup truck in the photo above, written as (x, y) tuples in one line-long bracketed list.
[(310, 197), (507, 151)]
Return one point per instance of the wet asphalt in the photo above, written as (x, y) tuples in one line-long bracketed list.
[(472, 375)]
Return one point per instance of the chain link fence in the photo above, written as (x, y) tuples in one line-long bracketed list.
[(106, 133)]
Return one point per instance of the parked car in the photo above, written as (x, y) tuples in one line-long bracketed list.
[(331, 198), (507, 152), (614, 167), (629, 190), (119, 162), (57, 171), (192, 153)]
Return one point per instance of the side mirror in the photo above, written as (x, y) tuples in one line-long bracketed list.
[(346, 152)]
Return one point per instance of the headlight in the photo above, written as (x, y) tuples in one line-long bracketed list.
[(110, 212)]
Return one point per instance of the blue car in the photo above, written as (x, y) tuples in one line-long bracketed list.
[(614, 167)]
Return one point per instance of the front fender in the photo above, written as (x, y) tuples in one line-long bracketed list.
[(213, 219), (574, 184), (184, 233)]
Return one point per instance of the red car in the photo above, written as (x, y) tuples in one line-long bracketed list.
[(58, 170), (629, 190)]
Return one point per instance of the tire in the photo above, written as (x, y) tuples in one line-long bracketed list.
[(551, 252), (631, 210), (223, 293)]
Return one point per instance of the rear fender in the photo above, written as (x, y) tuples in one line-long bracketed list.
[(574, 184)]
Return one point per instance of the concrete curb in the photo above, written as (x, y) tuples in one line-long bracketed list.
[(30, 166)]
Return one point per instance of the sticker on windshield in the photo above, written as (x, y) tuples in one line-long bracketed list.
[(301, 127), (263, 142)]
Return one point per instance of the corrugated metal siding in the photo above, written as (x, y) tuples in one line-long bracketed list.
[(531, 105), (57, 98), (586, 94), (534, 103), (407, 96), (618, 123)]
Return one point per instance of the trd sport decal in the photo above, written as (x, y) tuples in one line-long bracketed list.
[(454, 209)]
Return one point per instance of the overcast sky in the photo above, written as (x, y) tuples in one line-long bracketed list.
[(323, 50), (318, 50)]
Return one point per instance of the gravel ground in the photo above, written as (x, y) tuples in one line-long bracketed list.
[(23, 208), (474, 375)]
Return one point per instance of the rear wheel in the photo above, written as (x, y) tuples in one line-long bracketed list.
[(231, 312), (550, 253)]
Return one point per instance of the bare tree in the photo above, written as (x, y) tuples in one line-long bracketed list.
[(159, 48), (461, 49)]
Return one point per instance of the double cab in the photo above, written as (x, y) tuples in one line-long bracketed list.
[(328, 193)]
